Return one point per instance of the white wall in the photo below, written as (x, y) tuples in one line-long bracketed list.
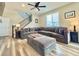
[(11, 12), (5, 28), (62, 21), (33, 24)]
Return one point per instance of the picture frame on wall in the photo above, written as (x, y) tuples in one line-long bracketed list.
[(36, 20), (70, 14)]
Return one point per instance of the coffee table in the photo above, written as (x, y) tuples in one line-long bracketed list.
[(42, 44)]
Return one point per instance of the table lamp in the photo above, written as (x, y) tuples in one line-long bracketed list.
[(74, 23)]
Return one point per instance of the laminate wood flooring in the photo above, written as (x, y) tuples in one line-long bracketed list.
[(19, 47)]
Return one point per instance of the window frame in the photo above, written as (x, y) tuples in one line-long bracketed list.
[(53, 22)]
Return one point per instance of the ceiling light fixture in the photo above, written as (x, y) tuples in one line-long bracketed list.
[(23, 5)]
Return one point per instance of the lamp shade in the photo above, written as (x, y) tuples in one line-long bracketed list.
[(23, 5), (17, 25)]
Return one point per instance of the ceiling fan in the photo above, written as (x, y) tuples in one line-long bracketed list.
[(37, 6)]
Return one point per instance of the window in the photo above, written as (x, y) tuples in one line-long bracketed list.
[(52, 20), (49, 21)]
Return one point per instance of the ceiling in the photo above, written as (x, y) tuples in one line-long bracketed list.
[(49, 6), (17, 6)]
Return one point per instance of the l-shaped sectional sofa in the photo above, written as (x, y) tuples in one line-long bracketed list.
[(60, 33)]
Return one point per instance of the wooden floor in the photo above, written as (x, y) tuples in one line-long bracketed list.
[(18, 47)]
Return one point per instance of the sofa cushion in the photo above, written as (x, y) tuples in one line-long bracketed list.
[(37, 29), (51, 34), (61, 31), (56, 30), (31, 29)]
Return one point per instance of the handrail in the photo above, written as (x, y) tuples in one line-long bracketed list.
[(23, 20), (29, 20), (25, 25)]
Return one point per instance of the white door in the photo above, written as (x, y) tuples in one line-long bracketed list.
[(4, 27)]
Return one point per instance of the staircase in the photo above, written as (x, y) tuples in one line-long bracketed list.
[(27, 18)]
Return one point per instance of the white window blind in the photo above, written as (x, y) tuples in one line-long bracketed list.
[(52, 20)]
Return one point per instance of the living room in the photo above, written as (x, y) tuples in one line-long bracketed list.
[(32, 30)]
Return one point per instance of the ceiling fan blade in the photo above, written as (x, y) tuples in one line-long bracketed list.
[(41, 6), (30, 4), (37, 4), (38, 9)]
